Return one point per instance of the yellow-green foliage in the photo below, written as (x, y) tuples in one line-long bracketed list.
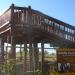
[(9, 67)]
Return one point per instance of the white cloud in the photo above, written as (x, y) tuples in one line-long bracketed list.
[(0, 12)]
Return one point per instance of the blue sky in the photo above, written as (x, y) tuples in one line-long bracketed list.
[(63, 10)]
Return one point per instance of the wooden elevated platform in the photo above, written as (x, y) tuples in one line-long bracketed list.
[(22, 25), (25, 22)]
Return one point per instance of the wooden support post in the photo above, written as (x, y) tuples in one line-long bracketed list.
[(7, 48), (31, 57), (13, 50), (29, 16), (6, 54), (12, 14), (25, 57), (13, 45), (42, 63), (1, 50), (36, 57), (21, 53)]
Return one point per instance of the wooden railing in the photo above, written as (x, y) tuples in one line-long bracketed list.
[(61, 30), (26, 16), (55, 26)]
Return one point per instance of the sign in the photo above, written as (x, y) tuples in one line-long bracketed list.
[(66, 55), (66, 59)]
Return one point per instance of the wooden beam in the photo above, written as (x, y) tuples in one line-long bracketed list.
[(42, 62), (36, 57), (1, 50), (13, 50), (31, 57), (7, 48), (21, 53), (25, 57)]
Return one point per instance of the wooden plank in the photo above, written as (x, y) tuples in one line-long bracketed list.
[(42, 63), (25, 57), (31, 57), (2, 50), (13, 50), (36, 56)]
